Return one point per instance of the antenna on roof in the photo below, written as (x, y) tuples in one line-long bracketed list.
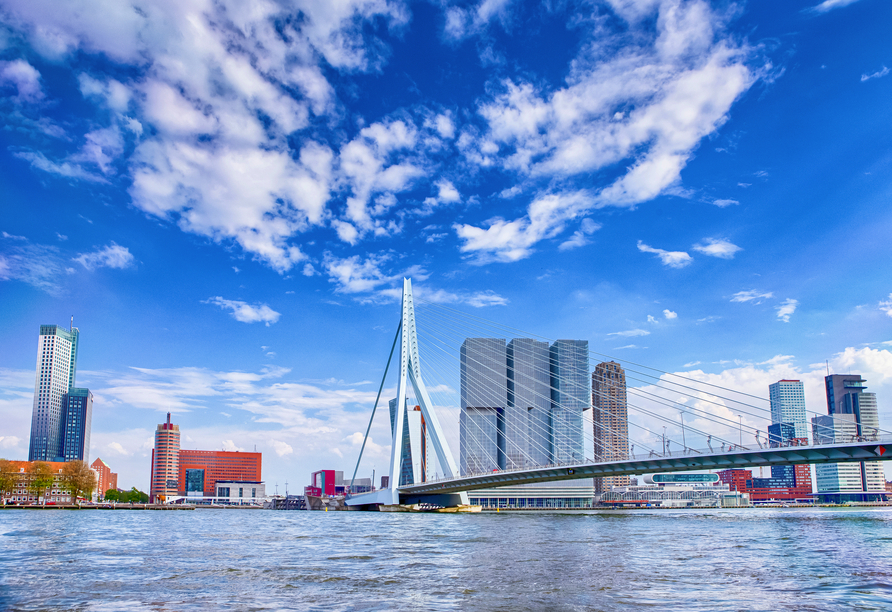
[(828, 366), (71, 328)]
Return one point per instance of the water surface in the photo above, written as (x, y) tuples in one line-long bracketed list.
[(736, 559)]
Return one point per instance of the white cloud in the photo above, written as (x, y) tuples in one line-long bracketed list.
[(507, 241), (725, 203), (672, 259), (244, 312), (65, 169), (886, 305), (282, 448), (829, 5), (353, 275), (786, 309), (652, 319), (669, 314), (229, 445), (630, 333), (717, 247), (580, 236), (112, 256), (24, 77), (751, 295), (876, 75), (677, 84)]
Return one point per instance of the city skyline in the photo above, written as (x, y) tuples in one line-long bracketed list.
[(228, 214)]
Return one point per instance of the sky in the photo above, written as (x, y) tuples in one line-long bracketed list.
[(227, 195)]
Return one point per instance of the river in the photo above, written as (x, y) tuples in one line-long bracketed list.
[(735, 559)]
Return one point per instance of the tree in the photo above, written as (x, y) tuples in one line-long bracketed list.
[(78, 479), (9, 478), (112, 495), (41, 479), (138, 497)]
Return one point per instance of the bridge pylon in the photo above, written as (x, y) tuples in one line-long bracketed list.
[(410, 374)]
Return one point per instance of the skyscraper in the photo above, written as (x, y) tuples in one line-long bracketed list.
[(522, 404), (571, 394), (528, 416), (57, 435), (610, 418), (484, 397), (852, 415), (165, 460), (788, 405)]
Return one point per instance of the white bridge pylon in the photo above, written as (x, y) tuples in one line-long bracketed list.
[(410, 373)]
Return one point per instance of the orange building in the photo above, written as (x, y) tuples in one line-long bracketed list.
[(201, 470), (22, 492), (107, 478)]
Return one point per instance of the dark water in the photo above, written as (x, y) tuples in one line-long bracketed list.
[(264, 560)]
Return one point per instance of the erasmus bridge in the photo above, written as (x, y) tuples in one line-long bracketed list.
[(527, 413)]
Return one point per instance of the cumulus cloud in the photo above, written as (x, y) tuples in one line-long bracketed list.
[(786, 309), (111, 256), (717, 247), (751, 295), (24, 78), (244, 312), (282, 448), (672, 259), (669, 314), (508, 241)]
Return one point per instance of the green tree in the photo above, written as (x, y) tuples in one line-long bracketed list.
[(9, 479), (113, 495), (40, 479), (78, 479), (138, 497)]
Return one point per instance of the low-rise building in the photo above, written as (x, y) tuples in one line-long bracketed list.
[(24, 494), (106, 478), (676, 495)]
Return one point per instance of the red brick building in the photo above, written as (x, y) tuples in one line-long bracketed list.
[(107, 478), (200, 470)]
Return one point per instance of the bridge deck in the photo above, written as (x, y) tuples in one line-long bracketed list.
[(879, 450)]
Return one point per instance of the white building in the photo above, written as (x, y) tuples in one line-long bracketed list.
[(788, 405)]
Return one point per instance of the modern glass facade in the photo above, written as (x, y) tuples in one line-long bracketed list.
[(61, 414), (522, 404), (852, 416), (78, 417), (571, 395), (788, 405)]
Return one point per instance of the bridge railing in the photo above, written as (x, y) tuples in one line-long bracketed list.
[(686, 452)]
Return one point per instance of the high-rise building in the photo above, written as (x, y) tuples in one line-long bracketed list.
[(852, 416), (78, 416), (165, 461), (610, 416), (788, 405), (484, 397), (61, 415), (571, 395), (528, 416), (522, 404)]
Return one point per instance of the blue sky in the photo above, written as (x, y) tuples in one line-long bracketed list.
[(226, 196)]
